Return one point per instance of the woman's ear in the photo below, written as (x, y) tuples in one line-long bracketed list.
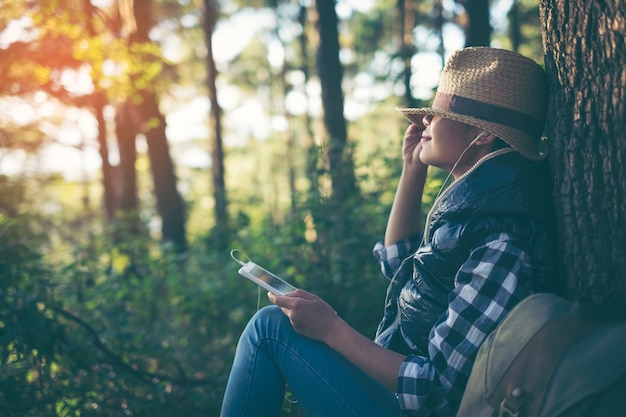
[(485, 138)]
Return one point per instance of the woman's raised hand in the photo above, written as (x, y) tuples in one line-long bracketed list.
[(412, 145)]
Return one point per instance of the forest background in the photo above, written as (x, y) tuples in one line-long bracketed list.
[(141, 141)]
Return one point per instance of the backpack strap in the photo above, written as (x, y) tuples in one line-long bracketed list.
[(524, 384)]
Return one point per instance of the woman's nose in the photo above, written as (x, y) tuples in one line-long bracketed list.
[(426, 119)]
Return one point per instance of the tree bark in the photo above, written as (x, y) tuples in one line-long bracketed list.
[(586, 66)]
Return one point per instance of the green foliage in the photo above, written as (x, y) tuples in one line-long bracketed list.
[(120, 325), (94, 333), (26, 331), (154, 338)]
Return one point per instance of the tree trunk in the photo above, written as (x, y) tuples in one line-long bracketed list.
[(291, 144), (515, 30), (331, 76), (338, 221), (478, 29), (126, 184), (309, 142), (439, 22), (124, 176), (103, 149), (586, 66), (406, 23), (99, 101), (170, 204), (217, 161)]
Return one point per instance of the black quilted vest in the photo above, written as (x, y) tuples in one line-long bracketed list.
[(506, 193)]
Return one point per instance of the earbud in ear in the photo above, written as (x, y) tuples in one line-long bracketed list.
[(482, 134)]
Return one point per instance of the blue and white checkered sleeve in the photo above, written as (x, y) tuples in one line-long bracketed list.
[(417, 386), (390, 257), (490, 282)]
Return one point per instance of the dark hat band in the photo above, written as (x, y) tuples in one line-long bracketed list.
[(489, 112)]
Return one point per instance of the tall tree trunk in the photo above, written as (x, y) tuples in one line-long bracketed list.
[(341, 222), (406, 21), (291, 146), (124, 176), (439, 21), (586, 66), (99, 101), (126, 132), (309, 142), (331, 76), (211, 12), (478, 28), (170, 204), (515, 30), (312, 230), (103, 149)]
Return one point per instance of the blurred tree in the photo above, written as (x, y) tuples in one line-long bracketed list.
[(221, 232), (27, 66), (144, 100), (440, 20), (330, 73), (524, 32), (406, 22), (339, 219), (476, 22), (303, 49), (411, 16), (515, 31), (88, 40), (586, 66)]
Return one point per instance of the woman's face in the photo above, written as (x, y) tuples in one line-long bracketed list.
[(444, 141)]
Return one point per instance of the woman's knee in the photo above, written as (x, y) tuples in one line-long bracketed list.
[(269, 316), (268, 322), (268, 313)]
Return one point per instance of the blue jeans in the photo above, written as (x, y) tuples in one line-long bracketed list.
[(271, 354)]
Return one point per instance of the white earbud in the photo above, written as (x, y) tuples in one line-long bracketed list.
[(480, 135)]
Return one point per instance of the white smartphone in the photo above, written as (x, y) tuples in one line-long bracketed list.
[(265, 279)]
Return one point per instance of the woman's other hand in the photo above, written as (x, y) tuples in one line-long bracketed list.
[(309, 314), (313, 317)]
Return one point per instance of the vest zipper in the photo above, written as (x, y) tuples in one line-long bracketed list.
[(443, 193)]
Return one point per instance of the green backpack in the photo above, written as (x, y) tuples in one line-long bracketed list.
[(550, 358)]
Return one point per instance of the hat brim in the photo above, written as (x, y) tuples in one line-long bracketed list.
[(527, 145)]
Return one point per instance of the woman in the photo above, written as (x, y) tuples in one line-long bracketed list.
[(487, 243)]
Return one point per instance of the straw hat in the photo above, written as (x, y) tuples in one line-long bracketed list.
[(497, 90)]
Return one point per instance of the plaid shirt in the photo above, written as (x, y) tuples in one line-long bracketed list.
[(494, 278)]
